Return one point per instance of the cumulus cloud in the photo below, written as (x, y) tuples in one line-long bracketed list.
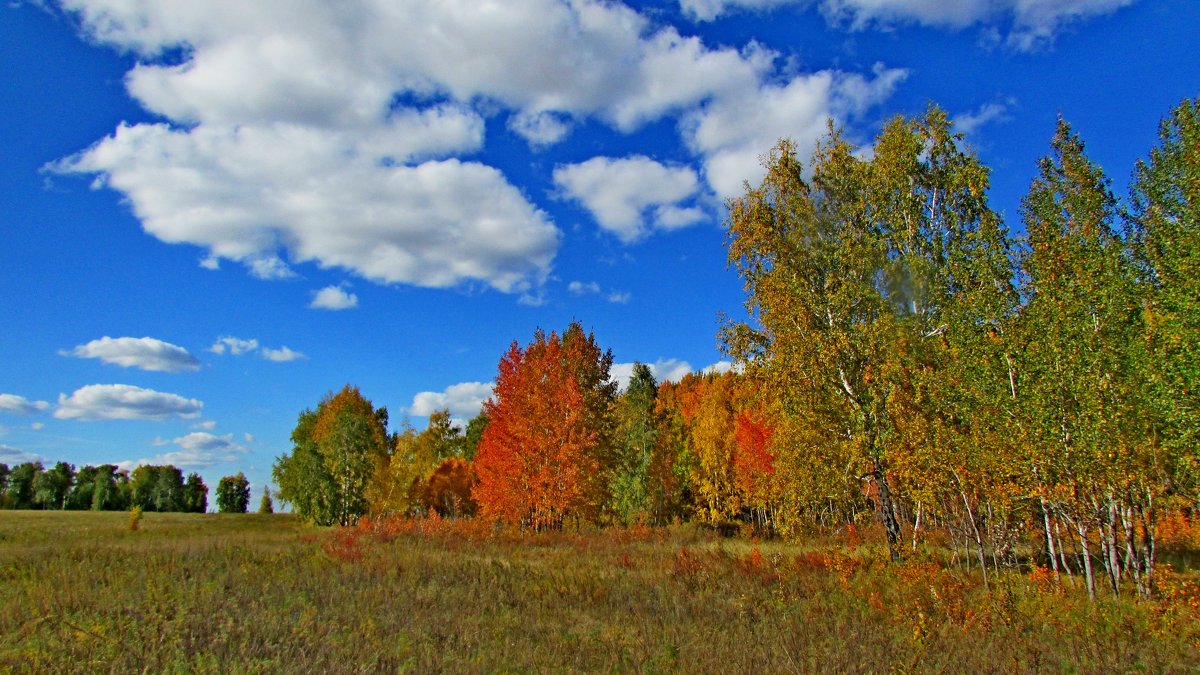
[(664, 370), (232, 345), (463, 400), (11, 403), (10, 455), (197, 450), (731, 133), (239, 346), (281, 355), (718, 368), (540, 129), (618, 298), (1030, 24), (251, 193), (146, 353), (124, 402), (285, 116), (334, 298), (633, 196)]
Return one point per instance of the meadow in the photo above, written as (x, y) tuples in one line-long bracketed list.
[(82, 592)]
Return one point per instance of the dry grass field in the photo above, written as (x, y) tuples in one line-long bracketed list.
[(81, 592)]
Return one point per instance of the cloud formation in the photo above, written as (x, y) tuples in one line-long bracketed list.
[(334, 297), (281, 355), (234, 346), (197, 450), (11, 403), (632, 196), (463, 400), (146, 353), (124, 402), (1030, 24), (664, 370), (971, 122), (284, 116)]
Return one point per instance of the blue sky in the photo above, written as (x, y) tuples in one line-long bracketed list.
[(215, 212)]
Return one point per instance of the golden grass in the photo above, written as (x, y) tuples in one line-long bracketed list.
[(80, 592)]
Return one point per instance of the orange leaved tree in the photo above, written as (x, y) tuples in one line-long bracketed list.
[(542, 457)]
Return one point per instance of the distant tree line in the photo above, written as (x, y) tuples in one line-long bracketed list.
[(107, 488), (905, 358), (101, 488)]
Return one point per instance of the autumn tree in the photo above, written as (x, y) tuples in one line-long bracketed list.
[(859, 281), (338, 448), (1081, 322), (447, 491), (233, 494), (265, 505), (543, 457), (397, 487), (1166, 219)]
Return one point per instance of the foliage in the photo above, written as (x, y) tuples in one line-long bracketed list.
[(159, 488), (233, 494), (1166, 223), (546, 453), (338, 448), (195, 494), (265, 505), (637, 434), (447, 491)]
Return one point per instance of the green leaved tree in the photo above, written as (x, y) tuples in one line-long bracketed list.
[(233, 494)]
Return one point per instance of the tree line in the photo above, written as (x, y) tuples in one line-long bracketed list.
[(108, 488), (904, 358)]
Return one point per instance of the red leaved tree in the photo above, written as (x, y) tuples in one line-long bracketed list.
[(542, 457)]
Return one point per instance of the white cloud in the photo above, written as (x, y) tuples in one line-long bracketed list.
[(233, 345), (582, 288), (664, 370), (718, 368), (618, 298), (268, 267), (971, 122), (208, 262), (281, 355), (334, 297), (731, 133), (290, 115), (540, 129), (146, 353), (707, 10), (207, 425), (633, 196), (250, 193), (37, 426), (10, 455), (197, 450), (11, 403), (1030, 23), (124, 402), (463, 400)]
